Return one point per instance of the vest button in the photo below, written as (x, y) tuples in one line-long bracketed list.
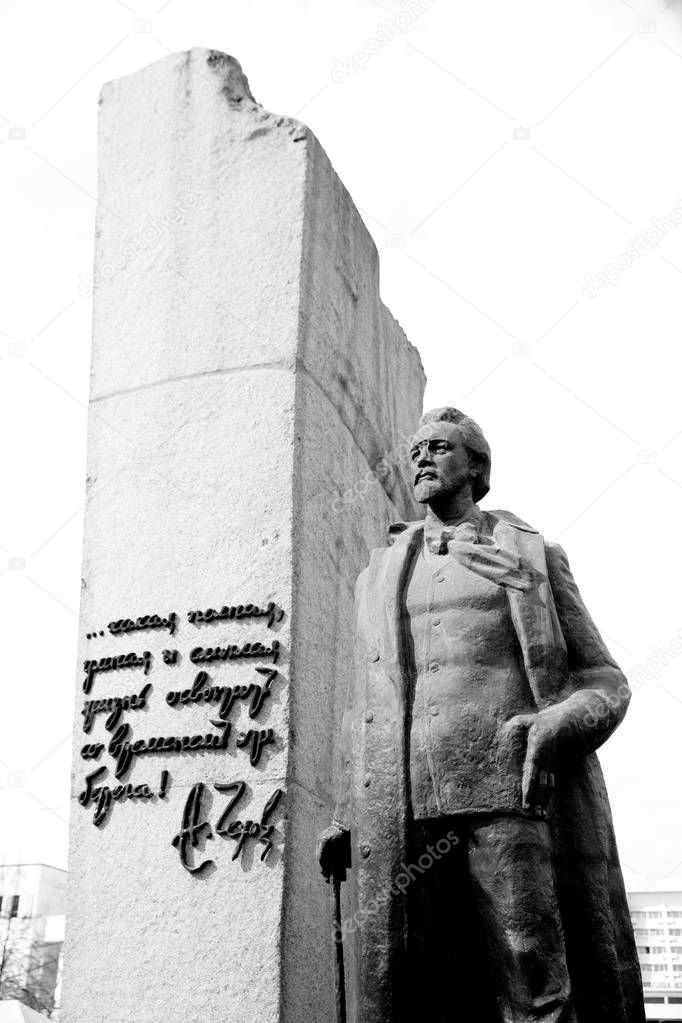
[(369, 717), (434, 712), (365, 851), (368, 782), (374, 656), (436, 621), (434, 666)]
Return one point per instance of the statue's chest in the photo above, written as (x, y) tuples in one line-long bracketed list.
[(456, 614), (441, 583)]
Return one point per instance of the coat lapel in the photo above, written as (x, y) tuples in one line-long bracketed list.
[(533, 612), (397, 564)]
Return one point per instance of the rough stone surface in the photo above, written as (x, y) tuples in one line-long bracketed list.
[(246, 379)]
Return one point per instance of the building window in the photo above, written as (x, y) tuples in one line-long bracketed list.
[(13, 906)]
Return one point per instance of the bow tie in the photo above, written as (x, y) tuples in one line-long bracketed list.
[(482, 555), (437, 540)]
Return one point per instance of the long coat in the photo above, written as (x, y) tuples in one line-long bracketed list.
[(572, 677)]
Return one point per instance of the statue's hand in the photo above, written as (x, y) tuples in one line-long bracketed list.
[(537, 782), (333, 851)]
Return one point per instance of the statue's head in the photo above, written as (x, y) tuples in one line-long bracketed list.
[(448, 453)]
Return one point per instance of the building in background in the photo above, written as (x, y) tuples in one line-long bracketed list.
[(657, 921), (32, 912)]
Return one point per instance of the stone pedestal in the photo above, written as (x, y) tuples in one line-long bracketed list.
[(249, 392)]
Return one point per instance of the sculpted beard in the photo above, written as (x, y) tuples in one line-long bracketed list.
[(429, 484), (426, 488)]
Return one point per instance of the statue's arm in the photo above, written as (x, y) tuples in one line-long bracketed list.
[(598, 693), (601, 692)]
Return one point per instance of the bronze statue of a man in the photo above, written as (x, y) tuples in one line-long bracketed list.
[(485, 882)]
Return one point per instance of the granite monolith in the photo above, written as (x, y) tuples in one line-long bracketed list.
[(249, 392)]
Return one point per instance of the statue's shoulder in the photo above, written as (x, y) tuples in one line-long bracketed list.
[(555, 555), (398, 533), (501, 515)]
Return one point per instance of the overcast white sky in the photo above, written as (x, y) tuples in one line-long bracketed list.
[(499, 152)]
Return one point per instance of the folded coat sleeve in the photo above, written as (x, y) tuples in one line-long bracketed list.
[(600, 692)]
